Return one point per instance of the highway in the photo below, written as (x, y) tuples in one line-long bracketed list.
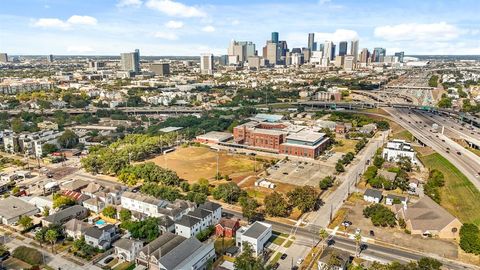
[(419, 125), (373, 252)]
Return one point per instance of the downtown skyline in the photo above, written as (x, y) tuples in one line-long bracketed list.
[(188, 28)]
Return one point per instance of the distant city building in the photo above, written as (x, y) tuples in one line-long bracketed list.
[(307, 53), (342, 48), (378, 55), (332, 56), (339, 61), (3, 58), (95, 65), (364, 55), (311, 41), (242, 49), (162, 69), (50, 58), (206, 63), (354, 50), (327, 50), (400, 56), (254, 62), (272, 54), (223, 60), (131, 61), (349, 63), (296, 58), (274, 37)]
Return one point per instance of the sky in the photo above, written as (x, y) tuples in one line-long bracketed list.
[(191, 27)]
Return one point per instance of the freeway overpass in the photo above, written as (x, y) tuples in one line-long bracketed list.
[(128, 110)]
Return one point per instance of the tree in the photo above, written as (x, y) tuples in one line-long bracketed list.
[(358, 240), (196, 197), (125, 215), (46, 211), (326, 182), (247, 260), (304, 198), (26, 222), (51, 236), (249, 207), (60, 200), (49, 148), (228, 192), (378, 161), (110, 211), (68, 139), (383, 125), (40, 236), (429, 264), (470, 238), (185, 186), (339, 167), (405, 164), (276, 205), (144, 230), (380, 215)]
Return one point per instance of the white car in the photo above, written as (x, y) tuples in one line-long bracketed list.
[(300, 261), (357, 231)]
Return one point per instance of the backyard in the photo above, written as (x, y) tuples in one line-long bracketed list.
[(193, 163), (459, 196)]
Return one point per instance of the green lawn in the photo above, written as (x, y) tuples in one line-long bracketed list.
[(276, 258), (403, 135), (459, 196), (226, 243), (125, 266), (288, 244), (277, 240)]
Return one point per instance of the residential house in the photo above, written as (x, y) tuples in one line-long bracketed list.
[(394, 199), (170, 251), (62, 216), (207, 214), (256, 234), (389, 176), (12, 208), (76, 228), (94, 204), (397, 149), (227, 227), (372, 195), (74, 185), (426, 217), (101, 237), (166, 224), (368, 129), (127, 249), (339, 258), (41, 202)]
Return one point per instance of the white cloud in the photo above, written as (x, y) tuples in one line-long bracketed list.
[(129, 3), (175, 9), (56, 23), (321, 2), (418, 32), (80, 49), (51, 23), (83, 20), (174, 24), (165, 35), (235, 22), (208, 29), (338, 35)]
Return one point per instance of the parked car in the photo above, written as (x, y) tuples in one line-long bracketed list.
[(300, 261), (284, 256), (372, 233)]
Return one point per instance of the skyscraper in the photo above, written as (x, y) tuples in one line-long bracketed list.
[(342, 48), (272, 53), (50, 58), (242, 49), (307, 53), (206, 63), (400, 56), (354, 50), (3, 58), (378, 54), (311, 41), (327, 50), (274, 37), (364, 55), (332, 56), (131, 61)]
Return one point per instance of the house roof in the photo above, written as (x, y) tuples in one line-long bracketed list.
[(188, 221), (125, 243), (162, 245), (76, 225), (392, 196), (92, 188), (228, 222), (427, 215), (142, 198), (199, 213), (342, 256), (74, 210), (373, 193), (182, 251), (165, 221), (390, 176), (96, 232), (257, 229), (13, 207), (74, 184), (211, 206)]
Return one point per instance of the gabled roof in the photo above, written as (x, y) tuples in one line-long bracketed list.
[(188, 221), (182, 251), (211, 206), (228, 222), (76, 225), (427, 215), (72, 211), (375, 193), (125, 243)]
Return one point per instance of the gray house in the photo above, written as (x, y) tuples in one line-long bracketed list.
[(101, 237)]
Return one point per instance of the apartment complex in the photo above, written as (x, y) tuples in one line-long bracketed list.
[(29, 143)]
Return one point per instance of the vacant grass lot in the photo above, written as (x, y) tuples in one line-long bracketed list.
[(459, 196), (193, 163), (345, 146)]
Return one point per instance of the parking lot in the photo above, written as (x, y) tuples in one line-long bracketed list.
[(302, 172)]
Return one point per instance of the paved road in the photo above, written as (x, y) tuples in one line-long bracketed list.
[(374, 252), (348, 180), (467, 162)]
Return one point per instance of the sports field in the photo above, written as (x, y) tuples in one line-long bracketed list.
[(459, 196), (193, 163)]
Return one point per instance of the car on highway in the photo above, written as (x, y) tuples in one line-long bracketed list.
[(458, 153), (284, 256)]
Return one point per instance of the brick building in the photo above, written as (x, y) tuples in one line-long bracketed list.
[(281, 137)]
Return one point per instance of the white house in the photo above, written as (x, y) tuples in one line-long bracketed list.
[(207, 214), (391, 199), (372, 195), (397, 149), (257, 235), (127, 249)]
